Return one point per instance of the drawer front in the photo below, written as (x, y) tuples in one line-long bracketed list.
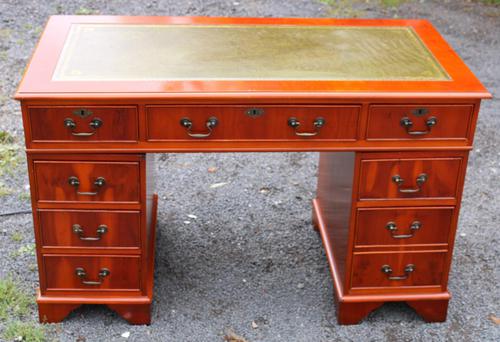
[(84, 124), (397, 269), (247, 123), (87, 181), (92, 272), (90, 228), (386, 122), (409, 178), (403, 226)]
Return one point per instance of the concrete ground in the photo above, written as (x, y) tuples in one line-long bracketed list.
[(250, 264)]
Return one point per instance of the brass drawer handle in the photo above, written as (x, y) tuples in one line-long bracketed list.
[(210, 124), (99, 183), (408, 124), (80, 273), (78, 230), (386, 269), (94, 125), (421, 179), (295, 124), (392, 227)]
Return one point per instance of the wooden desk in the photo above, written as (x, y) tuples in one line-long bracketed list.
[(389, 105)]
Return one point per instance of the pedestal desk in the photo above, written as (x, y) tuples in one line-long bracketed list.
[(389, 105)]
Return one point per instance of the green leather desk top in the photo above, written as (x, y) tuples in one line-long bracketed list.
[(132, 52)]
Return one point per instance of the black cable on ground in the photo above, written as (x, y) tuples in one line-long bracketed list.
[(20, 212)]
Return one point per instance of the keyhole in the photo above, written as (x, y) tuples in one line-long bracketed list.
[(420, 111), (255, 112), (82, 113)]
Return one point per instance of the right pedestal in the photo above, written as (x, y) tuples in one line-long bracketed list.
[(387, 222)]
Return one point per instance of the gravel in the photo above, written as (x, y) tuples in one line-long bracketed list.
[(250, 263)]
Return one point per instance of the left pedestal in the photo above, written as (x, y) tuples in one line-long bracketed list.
[(94, 218)]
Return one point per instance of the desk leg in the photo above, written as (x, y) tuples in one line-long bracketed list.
[(353, 313), (431, 310), (315, 222), (54, 313), (134, 314)]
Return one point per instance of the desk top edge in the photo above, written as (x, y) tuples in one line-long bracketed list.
[(37, 82), (267, 97)]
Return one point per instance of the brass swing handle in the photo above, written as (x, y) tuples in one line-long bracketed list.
[(94, 125), (408, 124), (78, 230), (387, 270), (99, 183), (392, 227), (295, 124), (210, 124), (421, 179), (80, 273)]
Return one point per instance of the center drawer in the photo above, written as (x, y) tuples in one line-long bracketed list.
[(87, 181), (90, 228), (199, 123), (92, 272)]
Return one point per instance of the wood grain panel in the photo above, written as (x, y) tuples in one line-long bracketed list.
[(371, 226), (119, 124), (123, 228), (334, 202), (122, 181), (60, 272), (366, 269), (376, 178), (163, 122), (384, 122)]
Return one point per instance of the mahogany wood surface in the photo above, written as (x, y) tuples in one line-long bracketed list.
[(366, 269), (430, 310), (371, 226), (253, 134), (134, 314), (60, 272), (351, 309), (124, 249), (325, 234), (335, 177), (362, 143), (353, 313), (121, 181), (54, 313), (453, 122), (119, 123), (152, 215), (122, 229), (341, 122), (376, 178), (55, 306), (364, 282)]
